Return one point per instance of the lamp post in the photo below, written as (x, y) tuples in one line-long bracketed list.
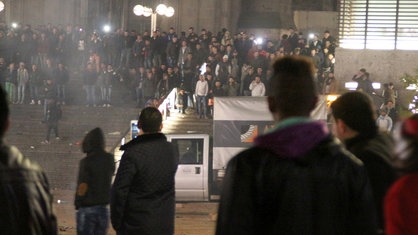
[(146, 11)]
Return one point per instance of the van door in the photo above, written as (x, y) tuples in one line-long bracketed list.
[(193, 169)]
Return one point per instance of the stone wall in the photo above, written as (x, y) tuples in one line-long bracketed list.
[(316, 22), (210, 14), (42, 12), (383, 66)]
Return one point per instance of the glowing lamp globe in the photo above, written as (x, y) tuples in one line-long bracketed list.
[(161, 9), (138, 10), (1, 6), (169, 12), (147, 11)]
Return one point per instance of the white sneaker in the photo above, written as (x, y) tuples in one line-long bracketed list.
[(32, 102)]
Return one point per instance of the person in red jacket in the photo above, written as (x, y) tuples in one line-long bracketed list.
[(401, 204)]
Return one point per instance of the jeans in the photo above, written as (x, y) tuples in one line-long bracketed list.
[(148, 62), (93, 220), (11, 91), (21, 89), (201, 105), (90, 94), (52, 127), (139, 95), (106, 93), (34, 92), (61, 93), (125, 58)]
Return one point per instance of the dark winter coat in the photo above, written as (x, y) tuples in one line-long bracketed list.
[(375, 152), (296, 180), (25, 199), (95, 172), (143, 193), (53, 114), (61, 76)]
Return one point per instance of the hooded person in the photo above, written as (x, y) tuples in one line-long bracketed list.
[(93, 185), (296, 179), (355, 125)]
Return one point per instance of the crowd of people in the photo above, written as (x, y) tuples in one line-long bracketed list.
[(150, 64), (296, 179)]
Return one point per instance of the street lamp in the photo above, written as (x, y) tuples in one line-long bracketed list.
[(160, 10)]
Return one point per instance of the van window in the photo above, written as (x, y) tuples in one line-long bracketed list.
[(190, 150)]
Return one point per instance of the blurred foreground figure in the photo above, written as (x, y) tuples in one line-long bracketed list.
[(355, 125), (25, 199), (296, 179), (401, 204), (143, 194), (93, 186)]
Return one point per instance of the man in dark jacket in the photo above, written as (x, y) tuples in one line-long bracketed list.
[(143, 194), (53, 115), (355, 125), (93, 185), (296, 179), (25, 199)]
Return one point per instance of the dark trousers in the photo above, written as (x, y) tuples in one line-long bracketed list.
[(92, 220), (52, 127)]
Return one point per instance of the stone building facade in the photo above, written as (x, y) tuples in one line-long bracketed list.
[(211, 14)]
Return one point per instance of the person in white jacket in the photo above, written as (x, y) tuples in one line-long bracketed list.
[(257, 87), (201, 91), (384, 122), (22, 80)]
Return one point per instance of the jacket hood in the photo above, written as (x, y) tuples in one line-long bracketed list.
[(93, 141), (295, 140)]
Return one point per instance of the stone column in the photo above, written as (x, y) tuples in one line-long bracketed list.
[(125, 14)]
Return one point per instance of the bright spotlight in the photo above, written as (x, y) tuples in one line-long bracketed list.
[(311, 36), (351, 85), (14, 25), (376, 85), (106, 28), (259, 41)]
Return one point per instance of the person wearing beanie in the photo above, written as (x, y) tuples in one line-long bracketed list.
[(223, 69), (93, 185), (355, 125)]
